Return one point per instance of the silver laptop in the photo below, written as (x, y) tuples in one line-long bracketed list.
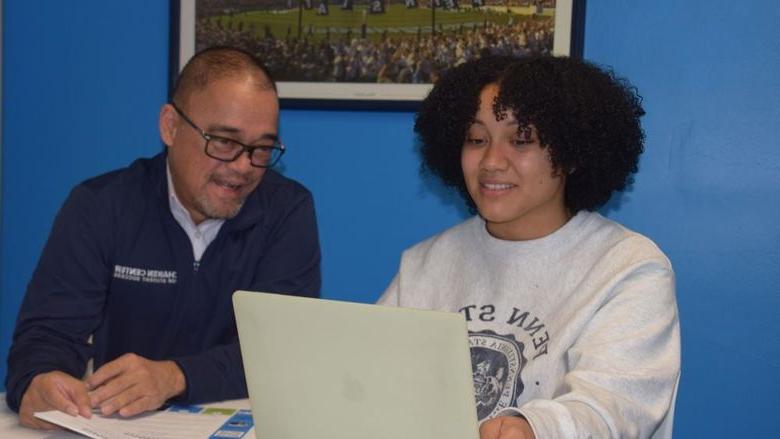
[(327, 369)]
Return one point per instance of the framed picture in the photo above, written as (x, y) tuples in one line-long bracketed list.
[(371, 53)]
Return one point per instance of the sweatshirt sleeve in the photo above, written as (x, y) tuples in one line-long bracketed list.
[(624, 368), (391, 297), (64, 299), (291, 265)]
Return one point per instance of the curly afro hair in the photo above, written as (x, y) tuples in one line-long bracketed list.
[(584, 114)]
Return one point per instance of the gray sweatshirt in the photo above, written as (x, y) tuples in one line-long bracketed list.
[(576, 331)]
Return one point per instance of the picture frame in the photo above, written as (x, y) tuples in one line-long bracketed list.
[(317, 84)]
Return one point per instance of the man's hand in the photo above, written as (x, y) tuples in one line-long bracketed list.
[(506, 427), (53, 391), (131, 384)]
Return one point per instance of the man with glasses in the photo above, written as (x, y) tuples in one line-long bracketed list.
[(141, 263)]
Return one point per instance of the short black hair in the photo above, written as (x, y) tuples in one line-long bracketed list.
[(215, 63), (586, 115)]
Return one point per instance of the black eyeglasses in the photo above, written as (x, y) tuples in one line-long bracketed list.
[(228, 150)]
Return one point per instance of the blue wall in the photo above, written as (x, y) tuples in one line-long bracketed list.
[(82, 83), (82, 86), (709, 191)]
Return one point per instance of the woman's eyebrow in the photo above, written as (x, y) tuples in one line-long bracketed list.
[(480, 122)]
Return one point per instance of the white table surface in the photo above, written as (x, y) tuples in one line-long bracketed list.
[(10, 428)]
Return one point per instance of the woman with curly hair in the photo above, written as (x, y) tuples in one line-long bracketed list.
[(572, 318)]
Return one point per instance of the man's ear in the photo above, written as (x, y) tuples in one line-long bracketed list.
[(168, 124)]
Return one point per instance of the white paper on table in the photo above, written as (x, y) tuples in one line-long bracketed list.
[(155, 425)]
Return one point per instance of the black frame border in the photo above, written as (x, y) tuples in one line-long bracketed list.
[(576, 50)]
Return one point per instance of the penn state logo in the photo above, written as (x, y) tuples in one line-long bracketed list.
[(496, 364)]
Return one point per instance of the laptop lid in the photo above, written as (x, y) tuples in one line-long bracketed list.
[(326, 369)]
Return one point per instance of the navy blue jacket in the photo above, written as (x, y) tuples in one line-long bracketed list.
[(119, 267)]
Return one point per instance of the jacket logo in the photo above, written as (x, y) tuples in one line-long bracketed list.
[(496, 364), (144, 275)]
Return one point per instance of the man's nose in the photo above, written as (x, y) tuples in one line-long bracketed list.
[(242, 164)]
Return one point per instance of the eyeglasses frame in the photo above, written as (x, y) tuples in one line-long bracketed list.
[(248, 149)]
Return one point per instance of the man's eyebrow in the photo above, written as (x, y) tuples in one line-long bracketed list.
[(227, 129), (222, 129), (268, 136)]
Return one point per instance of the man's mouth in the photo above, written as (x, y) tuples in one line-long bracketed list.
[(231, 185)]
